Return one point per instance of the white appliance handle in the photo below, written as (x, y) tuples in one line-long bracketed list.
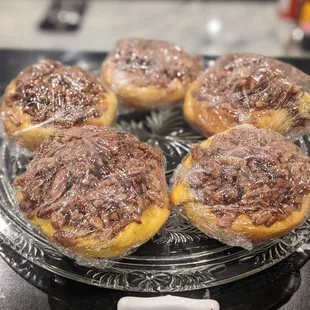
[(166, 303)]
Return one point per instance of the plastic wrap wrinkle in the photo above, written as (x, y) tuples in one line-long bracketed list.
[(61, 94), (152, 62), (149, 73), (48, 96), (16, 149), (244, 172), (88, 184), (248, 88)]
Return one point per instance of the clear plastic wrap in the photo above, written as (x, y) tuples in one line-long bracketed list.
[(96, 193), (244, 186), (249, 89), (149, 73), (48, 96)]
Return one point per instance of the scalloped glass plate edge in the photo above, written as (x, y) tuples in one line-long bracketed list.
[(98, 278)]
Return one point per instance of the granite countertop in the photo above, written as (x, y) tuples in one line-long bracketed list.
[(206, 27)]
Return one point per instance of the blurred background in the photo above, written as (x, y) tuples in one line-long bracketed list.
[(277, 28)]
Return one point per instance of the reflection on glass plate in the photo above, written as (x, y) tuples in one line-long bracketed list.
[(178, 258)]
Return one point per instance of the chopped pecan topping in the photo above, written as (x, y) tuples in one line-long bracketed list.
[(153, 62), (250, 171), (94, 180), (240, 83), (61, 95)]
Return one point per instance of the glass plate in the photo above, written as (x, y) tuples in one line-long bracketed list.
[(179, 257)]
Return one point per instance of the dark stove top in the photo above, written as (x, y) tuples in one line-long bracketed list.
[(280, 287)]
